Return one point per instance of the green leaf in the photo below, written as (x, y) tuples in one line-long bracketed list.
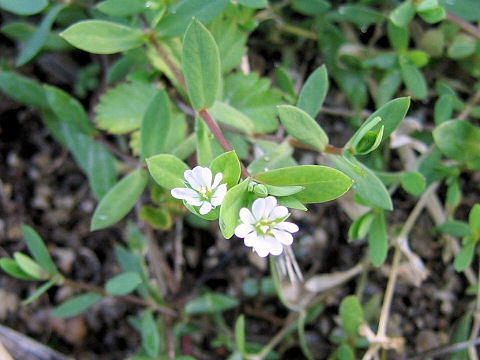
[(302, 127), (314, 91), (157, 218), (167, 170), (282, 190), (454, 193), (321, 183), (151, 341), (461, 333), (236, 198), (278, 157), (123, 284), (398, 37), (462, 46), (311, 7), (230, 40), (23, 7), (466, 9), (360, 227), (455, 228), (204, 143), (474, 219), (155, 125), (122, 109), (403, 14), (68, 109), (37, 248), (361, 15), (391, 115), (36, 42), (443, 109), (175, 22), (103, 37), (22, 32), (201, 65), (229, 165), (240, 334), (458, 140), (228, 115), (388, 86), (413, 78), (369, 142), (464, 258), (291, 202), (76, 305), (367, 184), (256, 4), (345, 352), (285, 82), (119, 200), (433, 15), (30, 266), (41, 290), (351, 314), (121, 7), (94, 159), (413, 182), (210, 303), (11, 267), (23, 90), (378, 240), (254, 97)]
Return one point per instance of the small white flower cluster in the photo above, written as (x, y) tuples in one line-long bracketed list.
[(200, 190), (263, 228)]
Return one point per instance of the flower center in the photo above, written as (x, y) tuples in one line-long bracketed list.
[(264, 226), (205, 193)]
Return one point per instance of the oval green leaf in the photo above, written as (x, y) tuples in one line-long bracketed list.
[(458, 140), (210, 303), (103, 37), (23, 7), (302, 127), (229, 165), (167, 170), (37, 248), (314, 91), (123, 284), (76, 305), (119, 200), (155, 125), (236, 198), (201, 65)]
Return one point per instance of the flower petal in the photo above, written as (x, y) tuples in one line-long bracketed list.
[(217, 180), (283, 236), (219, 195), (183, 193), (270, 204), (207, 176), (246, 216), (198, 174), (276, 247), (243, 230), (205, 208), (278, 212), (250, 239), (191, 179), (287, 226), (261, 246), (258, 208)]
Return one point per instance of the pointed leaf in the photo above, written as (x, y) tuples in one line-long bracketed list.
[(119, 200), (236, 198), (302, 127), (229, 165), (76, 305), (201, 65), (314, 92), (123, 284), (378, 240), (23, 7), (37, 248), (23, 90), (103, 37)]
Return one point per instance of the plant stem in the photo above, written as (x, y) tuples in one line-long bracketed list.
[(443, 350), (465, 25), (128, 298), (217, 132)]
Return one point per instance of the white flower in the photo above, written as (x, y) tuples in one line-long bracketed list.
[(263, 228), (200, 191)]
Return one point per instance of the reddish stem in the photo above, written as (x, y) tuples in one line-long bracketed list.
[(214, 128)]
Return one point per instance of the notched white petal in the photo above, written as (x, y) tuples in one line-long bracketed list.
[(191, 179), (283, 236), (217, 180), (270, 203), (183, 193), (246, 216), (278, 212), (287, 226), (243, 230), (205, 208), (219, 195), (258, 208)]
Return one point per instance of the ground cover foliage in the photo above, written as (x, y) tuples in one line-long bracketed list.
[(190, 179)]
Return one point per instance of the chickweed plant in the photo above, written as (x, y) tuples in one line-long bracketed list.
[(219, 114)]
